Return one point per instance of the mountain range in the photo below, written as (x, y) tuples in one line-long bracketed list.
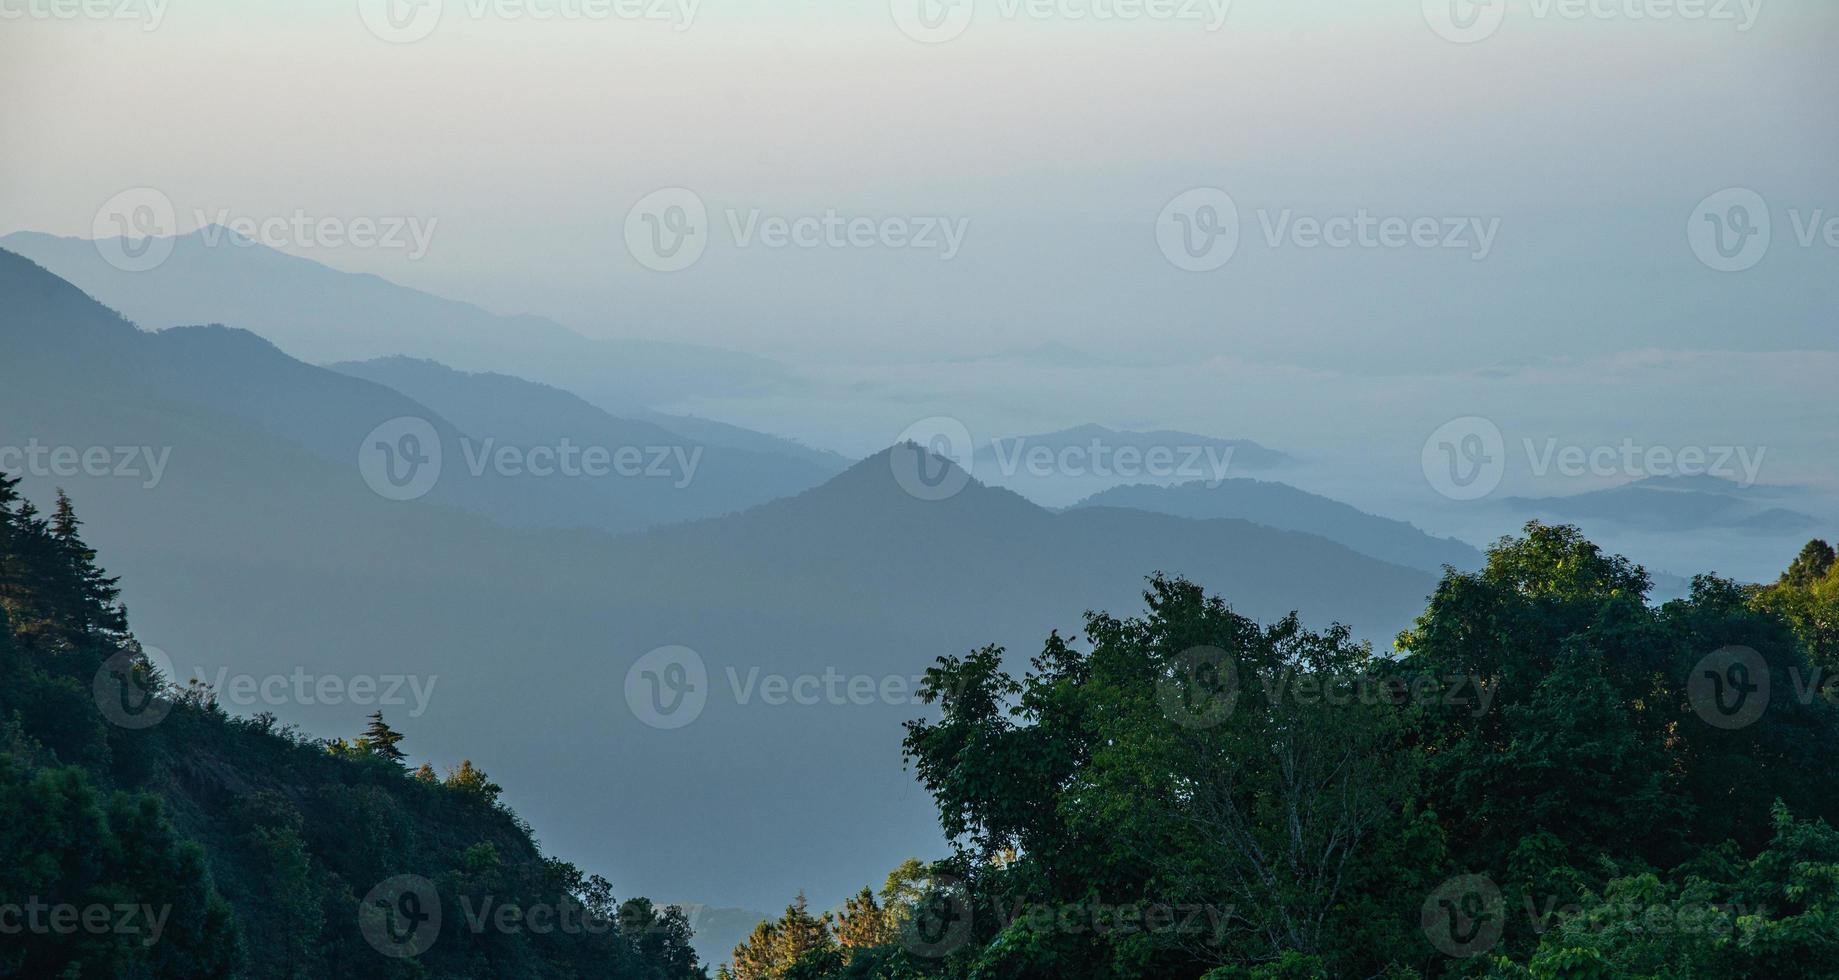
[(320, 314), (260, 549), (1697, 502), (1282, 506)]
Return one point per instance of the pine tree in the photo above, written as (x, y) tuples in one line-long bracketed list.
[(37, 573), (863, 923), (775, 947), (755, 958), (801, 932), (95, 599), (380, 739), (9, 572)]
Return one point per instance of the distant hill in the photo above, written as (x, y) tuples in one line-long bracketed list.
[(260, 553), (1676, 504), (1282, 506), (320, 314), (329, 413)]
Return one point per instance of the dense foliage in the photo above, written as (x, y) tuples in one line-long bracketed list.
[(1551, 778), (209, 846)]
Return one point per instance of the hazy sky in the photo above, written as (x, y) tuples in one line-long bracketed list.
[(1053, 144)]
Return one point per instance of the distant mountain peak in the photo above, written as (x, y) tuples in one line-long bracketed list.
[(1698, 482), (907, 476)]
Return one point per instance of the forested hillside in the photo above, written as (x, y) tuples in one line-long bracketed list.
[(145, 833)]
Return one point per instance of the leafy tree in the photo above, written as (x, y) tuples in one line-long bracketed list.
[(1807, 598), (471, 782), (1190, 758), (1810, 566), (661, 935), (74, 852)]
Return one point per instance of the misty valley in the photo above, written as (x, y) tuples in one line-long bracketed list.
[(918, 490)]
